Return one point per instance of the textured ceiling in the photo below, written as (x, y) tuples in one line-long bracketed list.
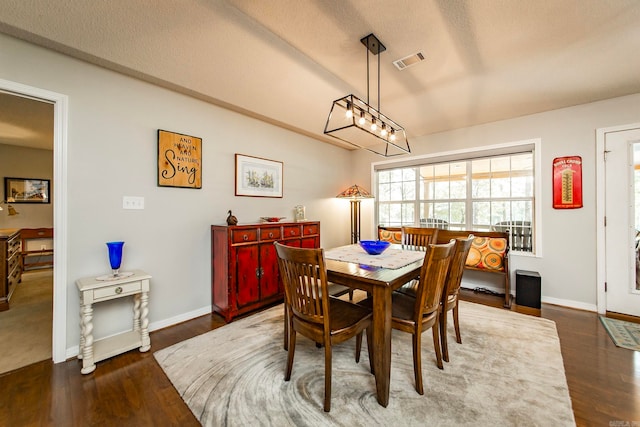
[(285, 61)]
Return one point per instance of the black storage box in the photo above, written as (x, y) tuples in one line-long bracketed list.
[(528, 284)]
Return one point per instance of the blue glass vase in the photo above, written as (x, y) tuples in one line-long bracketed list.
[(115, 256)]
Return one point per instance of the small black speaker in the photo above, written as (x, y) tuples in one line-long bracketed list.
[(528, 284)]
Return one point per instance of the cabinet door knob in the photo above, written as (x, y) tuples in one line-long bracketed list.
[(245, 237), (271, 235), (119, 290)]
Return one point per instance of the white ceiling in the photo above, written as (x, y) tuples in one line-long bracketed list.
[(285, 61)]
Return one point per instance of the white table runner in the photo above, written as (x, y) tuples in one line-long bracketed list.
[(391, 258)]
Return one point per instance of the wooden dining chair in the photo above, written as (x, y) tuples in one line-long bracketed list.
[(415, 315), (418, 238), (451, 291), (315, 314)]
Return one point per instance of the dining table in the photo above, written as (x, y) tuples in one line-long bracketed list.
[(378, 275)]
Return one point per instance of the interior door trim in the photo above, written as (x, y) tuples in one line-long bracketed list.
[(60, 122)]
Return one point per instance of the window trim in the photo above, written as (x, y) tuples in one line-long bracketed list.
[(476, 152)]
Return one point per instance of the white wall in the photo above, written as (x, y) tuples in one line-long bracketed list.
[(568, 261), (23, 162), (112, 152)]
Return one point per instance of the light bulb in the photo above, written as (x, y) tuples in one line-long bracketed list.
[(392, 135), (361, 120), (383, 131), (349, 112), (373, 124)]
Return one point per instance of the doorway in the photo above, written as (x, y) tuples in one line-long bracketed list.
[(60, 112), (619, 185)]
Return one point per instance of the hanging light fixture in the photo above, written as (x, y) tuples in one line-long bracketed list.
[(358, 123)]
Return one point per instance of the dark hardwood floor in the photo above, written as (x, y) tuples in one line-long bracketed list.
[(132, 390)]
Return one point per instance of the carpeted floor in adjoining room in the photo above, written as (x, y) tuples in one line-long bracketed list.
[(508, 371), (27, 326)]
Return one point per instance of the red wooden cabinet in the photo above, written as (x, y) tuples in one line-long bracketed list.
[(244, 264)]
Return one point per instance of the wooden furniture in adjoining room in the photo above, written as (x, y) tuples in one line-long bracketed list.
[(10, 269), (380, 283), (43, 257), (415, 315), (93, 291), (244, 265), (327, 321), (489, 253)]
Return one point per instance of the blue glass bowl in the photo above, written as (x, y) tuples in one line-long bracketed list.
[(374, 247)]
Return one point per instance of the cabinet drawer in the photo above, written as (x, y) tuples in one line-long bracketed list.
[(13, 261), (309, 229), (244, 236), (117, 290), (14, 277), (271, 233), (291, 231), (13, 246)]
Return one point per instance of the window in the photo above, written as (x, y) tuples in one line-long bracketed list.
[(490, 193)]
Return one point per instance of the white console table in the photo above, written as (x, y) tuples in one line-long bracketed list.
[(93, 291)]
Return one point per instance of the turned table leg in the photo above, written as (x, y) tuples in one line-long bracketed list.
[(86, 339), (144, 321)]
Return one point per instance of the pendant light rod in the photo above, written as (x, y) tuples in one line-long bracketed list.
[(375, 47)]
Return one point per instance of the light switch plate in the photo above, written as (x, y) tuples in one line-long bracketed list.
[(132, 202)]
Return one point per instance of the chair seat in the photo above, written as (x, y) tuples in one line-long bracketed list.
[(402, 308), (336, 290), (345, 314)]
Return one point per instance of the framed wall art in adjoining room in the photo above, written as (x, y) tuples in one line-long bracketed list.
[(257, 177), (26, 190)]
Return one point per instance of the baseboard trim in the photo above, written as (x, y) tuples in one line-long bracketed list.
[(72, 352), (570, 304), (549, 300)]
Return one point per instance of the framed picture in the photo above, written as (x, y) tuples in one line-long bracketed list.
[(26, 190), (567, 182), (179, 160), (256, 177)]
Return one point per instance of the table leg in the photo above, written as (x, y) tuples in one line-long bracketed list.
[(86, 313), (81, 345), (136, 312), (382, 342), (144, 322)]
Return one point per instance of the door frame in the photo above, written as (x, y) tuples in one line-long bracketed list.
[(601, 134), (60, 121)]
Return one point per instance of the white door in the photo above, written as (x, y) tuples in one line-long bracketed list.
[(622, 213)]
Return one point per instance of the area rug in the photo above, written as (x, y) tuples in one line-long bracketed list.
[(623, 334), (508, 371)]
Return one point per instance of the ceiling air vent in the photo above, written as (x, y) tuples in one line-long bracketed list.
[(409, 61)]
